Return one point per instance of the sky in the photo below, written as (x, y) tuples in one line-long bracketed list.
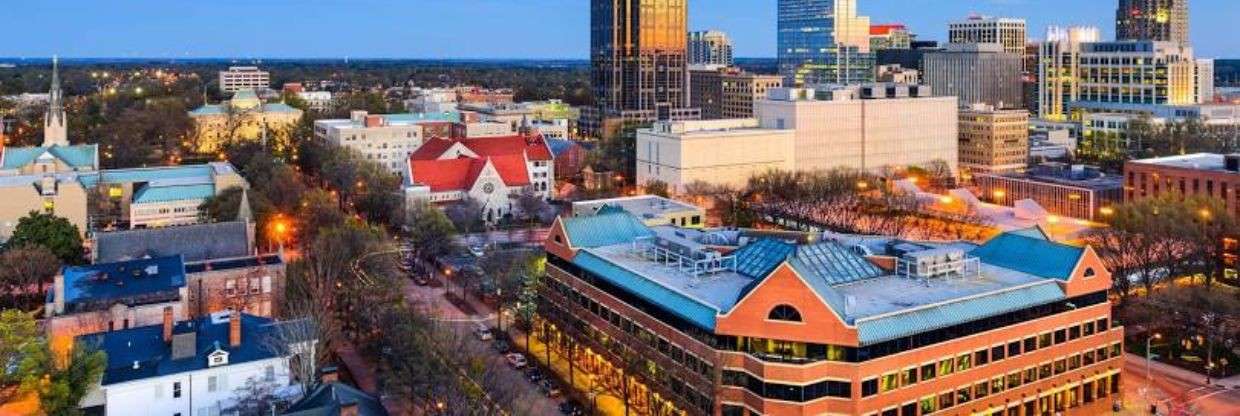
[(479, 28)]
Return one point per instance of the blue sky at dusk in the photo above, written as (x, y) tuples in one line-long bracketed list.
[(477, 28)]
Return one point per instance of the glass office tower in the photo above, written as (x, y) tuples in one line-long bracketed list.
[(824, 42)]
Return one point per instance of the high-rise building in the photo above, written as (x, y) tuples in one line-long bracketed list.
[(710, 47), (637, 64), (728, 92), (1059, 69), (238, 78), (718, 152), (743, 322), (890, 36), (976, 73), (823, 42), (868, 127), (985, 29), (1205, 81), (1156, 20), (993, 140)]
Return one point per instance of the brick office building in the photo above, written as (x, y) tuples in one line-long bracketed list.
[(1206, 174), (735, 323)]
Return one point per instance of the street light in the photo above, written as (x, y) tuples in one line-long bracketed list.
[(1148, 356)]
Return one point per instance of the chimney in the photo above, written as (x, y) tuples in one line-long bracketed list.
[(328, 375), (348, 408), (234, 329), (167, 324)]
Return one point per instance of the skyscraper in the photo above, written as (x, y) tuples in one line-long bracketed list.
[(1059, 69), (710, 47), (823, 41), (976, 73), (1158, 20), (985, 29), (637, 63)]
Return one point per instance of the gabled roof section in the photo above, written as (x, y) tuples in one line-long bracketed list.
[(194, 242), (82, 156), (146, 347), (832, 263), (158, 194), (1032, 255), (887, 327), (604, 230), (328, 399), (1035, 231), (758, 259)]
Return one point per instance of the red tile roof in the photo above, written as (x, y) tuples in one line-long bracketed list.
[(508, 154), (884, 29), (533, 146)]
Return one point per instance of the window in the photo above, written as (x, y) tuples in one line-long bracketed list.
[(1061, 366), (997, 353), (1044, 371), (213, 383), (981, 390), (1089, 272), (784, 313), (1061, 336), (963, 396), (964, 362), (947, 366), (997, 384), (1089, 328), (1044, 340), (869, 387), (909, 377), (927, 372), (1074, 332), (1102, 325), (176, 390), (889, 382), (1013, 379), (1013, 348), (1031, 344), (981, 357), (269, 373)]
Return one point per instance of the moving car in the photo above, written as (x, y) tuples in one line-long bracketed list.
[(516, 360)]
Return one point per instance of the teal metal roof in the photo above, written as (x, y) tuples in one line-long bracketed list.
[(209, 109), (669, 300), (604, 230), (155, 194), (449, 116), (758, 259), (77, 156), (245, 94), (888, 327), (1035, 256), (187, 172), (279, 108)]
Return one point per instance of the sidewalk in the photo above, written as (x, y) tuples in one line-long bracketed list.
[(1180, 374)]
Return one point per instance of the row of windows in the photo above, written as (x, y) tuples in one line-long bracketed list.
[(786, 392), (949, 365), (667, 349), (1044, 405)]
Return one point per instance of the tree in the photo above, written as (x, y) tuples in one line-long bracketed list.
[(533, 207), (61, 383), (466, 214), (430, 231), (24, 267), (19, 338), (657, 187), (54, 233)]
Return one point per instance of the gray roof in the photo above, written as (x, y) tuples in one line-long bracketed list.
[(194, 242)]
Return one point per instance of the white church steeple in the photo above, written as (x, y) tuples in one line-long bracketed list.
[(55, 123)]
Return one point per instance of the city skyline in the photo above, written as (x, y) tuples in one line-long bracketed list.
[(435, 28)]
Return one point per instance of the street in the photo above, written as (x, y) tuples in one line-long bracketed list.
[(1174, 389), (432, 298)]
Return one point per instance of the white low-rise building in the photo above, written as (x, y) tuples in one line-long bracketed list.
[(387, 139), (720, 152), (198, 367), (868, 127)]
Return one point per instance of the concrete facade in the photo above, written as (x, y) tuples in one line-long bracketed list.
[(866, 128), (976, 73), (720, 152), (992, 140)]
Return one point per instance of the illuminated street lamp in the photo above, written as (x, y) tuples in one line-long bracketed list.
[(1148, 355), (1107, 211)]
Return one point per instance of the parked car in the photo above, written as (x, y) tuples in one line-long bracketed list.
[(571, 408), (550, 388), (477, 250), (483, 332), (533, 375), (516, 360)]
